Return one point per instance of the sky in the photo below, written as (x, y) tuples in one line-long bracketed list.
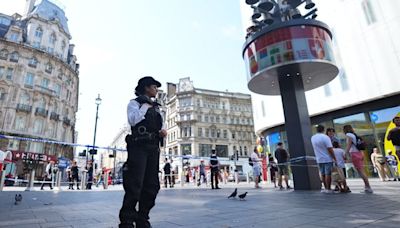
[(119, 41)]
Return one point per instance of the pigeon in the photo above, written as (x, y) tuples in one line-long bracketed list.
[(233, 195), (242, 196), (18, 198)]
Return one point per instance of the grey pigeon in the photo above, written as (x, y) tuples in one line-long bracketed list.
[(234, 194), (18, 198), (242, 196)]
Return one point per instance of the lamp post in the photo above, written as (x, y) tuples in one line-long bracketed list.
[(98, 102), (287, 53)]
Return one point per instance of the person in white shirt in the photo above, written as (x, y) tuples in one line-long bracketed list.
[(357, 156), (325, 157), (256, 167), (340, 156)]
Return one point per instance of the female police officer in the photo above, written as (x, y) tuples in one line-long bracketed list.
[(140, 172)]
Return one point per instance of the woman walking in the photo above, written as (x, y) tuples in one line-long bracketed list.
[(356, 154)]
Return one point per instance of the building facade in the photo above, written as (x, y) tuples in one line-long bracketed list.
[(39, 82), (199, 120), (366, 93)]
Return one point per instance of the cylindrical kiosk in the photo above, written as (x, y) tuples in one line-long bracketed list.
[(287, 59)]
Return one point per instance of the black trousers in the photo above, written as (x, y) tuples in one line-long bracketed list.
[(167, 178), (214, 178), (141, 184), (90, 182), (49, 180)]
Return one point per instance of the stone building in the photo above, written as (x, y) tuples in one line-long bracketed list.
[(199, 120), (39, 82)]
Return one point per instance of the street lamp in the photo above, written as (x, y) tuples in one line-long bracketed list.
[(97, 102)]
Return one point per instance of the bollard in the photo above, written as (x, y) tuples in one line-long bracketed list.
[(248, 178), (31, 181), (83, 179), (2, 179), (236, 177), (57, 185), (106, 180)]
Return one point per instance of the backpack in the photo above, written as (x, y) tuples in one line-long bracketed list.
[(360, 144), (250, 161)]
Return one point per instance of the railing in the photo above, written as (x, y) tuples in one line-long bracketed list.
[(24, 108), (41, 112), (54, 116), (45, 90)]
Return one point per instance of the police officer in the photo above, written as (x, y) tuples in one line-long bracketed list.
[(214, 163), (140, 171)]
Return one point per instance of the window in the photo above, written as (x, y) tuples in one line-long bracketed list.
[(42, 103), (1, 71), (38, 126), (223, 105), (9, 74), (368, 12), (39, 33), (45, 82), (240, 151), (207, 132), (212, 119), (199, 118), (205, 150), (218, 133), (57, 89), (233, 135), (29, 79), (63, 45), (245, 150), (33, 62), (212, 133), (49, 68), (13, 144), (217, 119), (5, 21), (25, 98), (224, 120), (52, 39), (200, 132), (206, 118), (2, 95), (3, 54), (14, 36), (20, 123), (225, 134), (14, 57)]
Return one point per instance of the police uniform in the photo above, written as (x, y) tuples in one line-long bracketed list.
[(140, 171), (214, 170)]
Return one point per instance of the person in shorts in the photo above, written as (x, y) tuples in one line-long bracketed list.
[(357, 156), (282, 156), (339, 169), (324, 156)]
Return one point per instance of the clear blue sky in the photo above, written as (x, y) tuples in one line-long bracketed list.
[(119, 41)]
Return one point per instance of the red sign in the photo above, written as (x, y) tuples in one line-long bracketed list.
[(17, 155)]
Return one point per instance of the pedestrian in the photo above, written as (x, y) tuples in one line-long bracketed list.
[(282, 156), (330, 132), (48, 176), (273, 170), (167, 174), (89, 169), (325, 157), (356, 155), (194, 176), (379, 164), (256, 167), (202, 173), (340, 157), (394, 135), (69, 177), (75, 175), (392, 162), (214, 164), (140, 171)]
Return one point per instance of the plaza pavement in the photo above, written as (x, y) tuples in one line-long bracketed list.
[(190, 206)]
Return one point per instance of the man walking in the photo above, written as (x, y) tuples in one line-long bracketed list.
[(282, 156), (48, 175), (167, 174), (140, 171), (202, 173), (325, 157), (394, 135), (90, 176), (214, 163)]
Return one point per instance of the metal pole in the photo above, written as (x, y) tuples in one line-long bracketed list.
[(95, 130), (115, 163)]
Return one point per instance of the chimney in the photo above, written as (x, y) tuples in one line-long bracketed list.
[(71, 49), (29, 6)]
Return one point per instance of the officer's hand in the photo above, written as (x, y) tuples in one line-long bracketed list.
[(147, 105), (163, 133)]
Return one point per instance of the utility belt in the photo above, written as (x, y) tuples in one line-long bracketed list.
[(142, 139)]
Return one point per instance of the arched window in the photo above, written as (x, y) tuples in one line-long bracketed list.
[(240, 151), (20, 123), (3, 54), (33, 62), (39, 32), (245, 150), (14, 57), (42, 103), (2, 94), (38, 126), (25, 98)]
